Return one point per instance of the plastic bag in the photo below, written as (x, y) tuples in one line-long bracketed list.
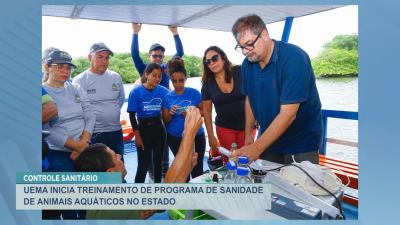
[(324, 176)]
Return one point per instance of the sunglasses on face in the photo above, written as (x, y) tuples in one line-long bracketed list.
[(157, 56), (214, 58), (178, 81)]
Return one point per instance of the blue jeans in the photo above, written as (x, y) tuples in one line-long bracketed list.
[(113, 139)]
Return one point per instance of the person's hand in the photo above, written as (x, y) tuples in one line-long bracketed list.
[(81, 145), (248, 150), (173, 29), (136, 27), (213, 142), (146, 214), (194, 159), (173, 109), (192, 121), (49, 111), (138, 141), (74, 155)]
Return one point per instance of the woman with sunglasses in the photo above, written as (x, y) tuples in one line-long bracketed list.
[(70, 133), (175, 104), (150, 137), (221, 86)]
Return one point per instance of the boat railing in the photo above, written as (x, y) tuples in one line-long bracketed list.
[(346, 171)]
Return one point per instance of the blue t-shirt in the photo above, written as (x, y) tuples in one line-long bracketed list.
[(189, 97), (146, 103), (288, 78)]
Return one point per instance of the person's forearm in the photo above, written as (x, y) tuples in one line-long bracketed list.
[(278, 126), (139, 64), (86, 135), (208, 123), (134, 123), (49, 111), (182, 164), (71, 144), (178, 45), (166, 116), (250, 120)]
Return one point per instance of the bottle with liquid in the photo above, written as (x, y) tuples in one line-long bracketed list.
[(230, 175), (243, 161), (242, 176), (233, 148)]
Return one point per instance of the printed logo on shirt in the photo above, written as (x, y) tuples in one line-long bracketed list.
[(183, 105), (77, 98), (91, 91), (114, 87), (153, 105)]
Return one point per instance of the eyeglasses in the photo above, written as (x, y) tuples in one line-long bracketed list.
[(60, 67), (214, 58), (248, 47), (178, 81), (157, 56)]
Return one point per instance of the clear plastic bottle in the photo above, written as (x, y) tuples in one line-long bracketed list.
[(242, 175), (230, 175), (233, 148)]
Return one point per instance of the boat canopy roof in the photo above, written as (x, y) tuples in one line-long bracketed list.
[(210, 17)]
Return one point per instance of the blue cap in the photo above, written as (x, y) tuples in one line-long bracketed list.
[(243, 160), (231, 165), (156, 46), (242, 171), (59, 57), (99, 47)]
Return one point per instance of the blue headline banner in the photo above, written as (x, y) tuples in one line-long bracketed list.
[(68, 178)]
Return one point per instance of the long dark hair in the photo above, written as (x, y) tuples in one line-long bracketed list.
[(208, 74), (149, 68), (175, 65)]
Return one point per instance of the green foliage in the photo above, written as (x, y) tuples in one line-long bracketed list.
[(192, 65), (336, 62), (81, 63), (339, 57), (347, 42), (122, 64)]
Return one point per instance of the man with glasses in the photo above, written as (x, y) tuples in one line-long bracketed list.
[(106, 94), (281, 95), (156, 52), (156, 55)]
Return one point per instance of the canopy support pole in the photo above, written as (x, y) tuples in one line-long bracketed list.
[(287, 29)]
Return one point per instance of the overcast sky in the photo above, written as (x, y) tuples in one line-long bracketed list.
[(76, 36)]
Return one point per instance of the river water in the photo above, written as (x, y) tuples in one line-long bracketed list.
[(335, 94)]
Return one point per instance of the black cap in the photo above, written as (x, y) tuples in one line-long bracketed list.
[(59, 57), (47, 52), (156, 46), (99, 47)]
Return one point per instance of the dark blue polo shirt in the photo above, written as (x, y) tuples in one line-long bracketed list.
[(287, 78)]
